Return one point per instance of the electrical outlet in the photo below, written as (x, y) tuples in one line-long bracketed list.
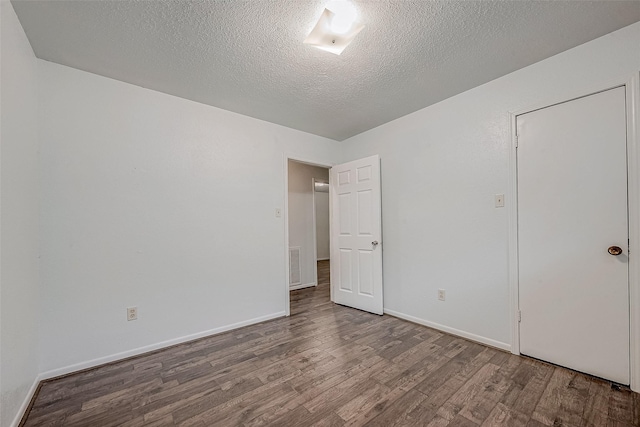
[(132, 313), (441, 294)]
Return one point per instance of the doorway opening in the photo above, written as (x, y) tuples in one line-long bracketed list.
[(308, 235)]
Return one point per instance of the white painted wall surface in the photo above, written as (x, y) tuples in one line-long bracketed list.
[(322, 225), (18, 218), (301, 229), (442, 166), (154, 201)]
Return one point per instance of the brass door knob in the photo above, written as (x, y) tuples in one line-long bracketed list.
[(614, 250)]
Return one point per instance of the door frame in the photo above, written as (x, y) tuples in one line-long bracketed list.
[(315, 230), (632, 93), (315, 235), (285, 216), (315, 226)]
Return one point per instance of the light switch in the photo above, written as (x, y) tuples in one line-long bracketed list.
[(499, 200), (278, 213)]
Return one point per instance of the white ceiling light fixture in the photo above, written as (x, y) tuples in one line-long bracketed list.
[(337, 27)]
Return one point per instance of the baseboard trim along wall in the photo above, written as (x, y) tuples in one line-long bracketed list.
[(26, 403), (449, 330), (158, 346), (302, 286)]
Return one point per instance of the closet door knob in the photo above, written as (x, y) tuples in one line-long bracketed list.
[(614, 250)]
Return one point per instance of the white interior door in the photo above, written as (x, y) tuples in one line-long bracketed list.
[(572, 207), (356, 234)]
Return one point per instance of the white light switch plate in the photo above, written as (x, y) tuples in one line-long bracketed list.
[(499, 200)]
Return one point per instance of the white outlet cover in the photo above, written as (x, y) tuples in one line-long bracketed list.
[(132, 313)]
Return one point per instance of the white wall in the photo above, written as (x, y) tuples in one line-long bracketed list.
[(300, 216), (18, 218), (154, 201), (441, 167), (322, 225)]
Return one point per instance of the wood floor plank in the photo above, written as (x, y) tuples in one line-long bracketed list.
[(596, 409), (623, 407), (160, 405), (343, 391), (563, 400), (487, 397), (502, 415), (361, 404), (467, 395), (396, 414), (216, 414), (332, 420), (329, 365), (237, 412), (406, 361)]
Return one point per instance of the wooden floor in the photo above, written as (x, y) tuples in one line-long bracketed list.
[(328, 365)]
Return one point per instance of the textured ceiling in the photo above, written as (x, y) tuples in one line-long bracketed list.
[(248, 56)]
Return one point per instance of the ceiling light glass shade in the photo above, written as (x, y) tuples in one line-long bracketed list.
[(324, 35), (345, 15)]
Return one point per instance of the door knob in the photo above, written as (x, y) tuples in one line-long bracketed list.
[(374, 243), (614, 250)]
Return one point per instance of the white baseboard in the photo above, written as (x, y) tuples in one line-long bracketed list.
[(302, 286), (323, 259), (25, 403), (129, 353), (473, 337)]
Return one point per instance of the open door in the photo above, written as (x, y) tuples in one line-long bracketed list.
[(356, 234)]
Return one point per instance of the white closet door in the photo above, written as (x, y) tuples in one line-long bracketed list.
[(572, 212)]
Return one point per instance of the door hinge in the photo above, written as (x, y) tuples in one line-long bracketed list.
[(517, 141), (519, 316)]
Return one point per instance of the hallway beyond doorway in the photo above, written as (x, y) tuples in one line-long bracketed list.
[(311, 298)]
